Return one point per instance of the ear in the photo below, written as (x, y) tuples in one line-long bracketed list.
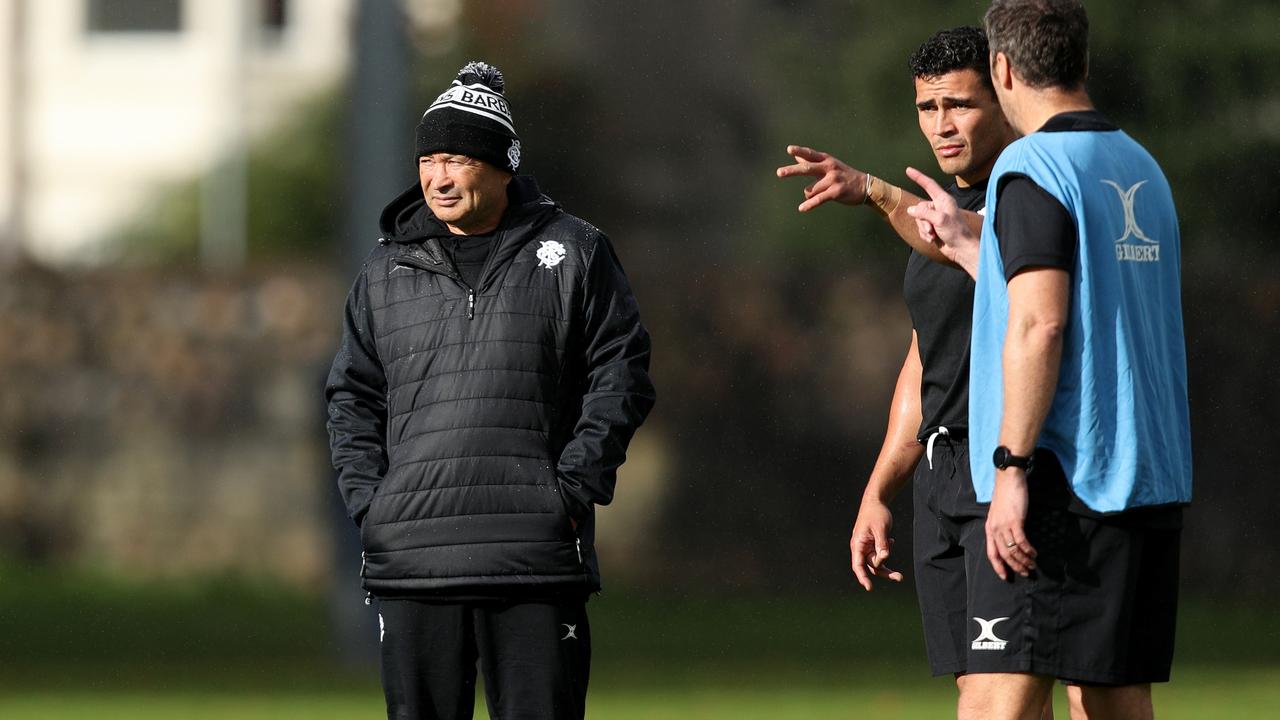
[(1001, 71)]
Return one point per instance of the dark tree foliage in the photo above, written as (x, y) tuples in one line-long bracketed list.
[(777, 335)]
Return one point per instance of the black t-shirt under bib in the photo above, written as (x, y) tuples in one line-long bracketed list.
[(940, 300), (1033, 227)]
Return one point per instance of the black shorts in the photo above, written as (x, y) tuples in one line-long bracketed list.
[(944, 506), (1100, 608)]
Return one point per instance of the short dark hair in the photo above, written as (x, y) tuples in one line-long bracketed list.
[(1046, 41), (962, 48)]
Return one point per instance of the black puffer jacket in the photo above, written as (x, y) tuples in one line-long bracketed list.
[(469, 425)]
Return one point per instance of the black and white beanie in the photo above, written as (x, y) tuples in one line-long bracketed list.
[(472, 118)]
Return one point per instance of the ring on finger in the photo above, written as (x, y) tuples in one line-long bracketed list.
[(1010, 544)]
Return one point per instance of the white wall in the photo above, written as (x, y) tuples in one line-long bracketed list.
[(8, 158), (110, 117)]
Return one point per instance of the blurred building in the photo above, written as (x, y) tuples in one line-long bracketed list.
[(101, 101)]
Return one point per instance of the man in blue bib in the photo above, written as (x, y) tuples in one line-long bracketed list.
[(1078, 419)]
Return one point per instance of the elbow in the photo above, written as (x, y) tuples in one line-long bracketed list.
[(1045, 333), (1037, 332), (1050, 329)]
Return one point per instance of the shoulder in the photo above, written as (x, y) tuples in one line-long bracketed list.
[(377, 263), (1018, 154), (578, 237), (1019, 193), (1137, 153), (1042, 160), (381, 256)]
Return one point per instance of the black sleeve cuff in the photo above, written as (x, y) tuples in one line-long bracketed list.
[(576, 507)]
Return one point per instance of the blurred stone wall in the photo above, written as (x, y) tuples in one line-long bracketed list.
[(168, 423), (163, 423)]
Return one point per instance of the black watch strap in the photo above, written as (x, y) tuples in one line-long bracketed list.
[(1003, 458)]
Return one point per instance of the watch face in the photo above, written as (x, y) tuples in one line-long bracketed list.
[(1003, 458)]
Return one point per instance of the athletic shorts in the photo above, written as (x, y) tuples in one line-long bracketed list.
[(1100, 608), (944, 506)]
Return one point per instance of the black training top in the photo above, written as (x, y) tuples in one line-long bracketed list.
[(469, 254), (940, 300)]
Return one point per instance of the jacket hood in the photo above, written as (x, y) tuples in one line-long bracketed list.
[(407, 219)]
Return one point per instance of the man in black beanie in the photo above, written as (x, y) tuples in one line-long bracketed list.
[(492, 371)]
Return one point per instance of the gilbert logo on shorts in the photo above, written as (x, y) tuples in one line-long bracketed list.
[(987, 639)]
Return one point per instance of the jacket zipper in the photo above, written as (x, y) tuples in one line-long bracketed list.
[(368, 596), (415, 262), (578, 542)]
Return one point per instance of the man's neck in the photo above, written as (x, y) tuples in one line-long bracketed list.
[(1041, 104), (971, 180), (472, 231)]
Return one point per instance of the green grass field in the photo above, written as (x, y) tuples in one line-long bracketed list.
[(904, 694), (1197, 693), (79, 648)]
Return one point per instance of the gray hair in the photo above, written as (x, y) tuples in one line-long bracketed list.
[(1046, 41)]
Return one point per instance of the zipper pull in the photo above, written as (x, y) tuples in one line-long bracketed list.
[(368, 596), (471, 304), (578, 542)]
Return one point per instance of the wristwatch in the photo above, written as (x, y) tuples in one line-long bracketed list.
[(1005, 459)]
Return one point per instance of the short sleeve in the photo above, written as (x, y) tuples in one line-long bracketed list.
[(1032, 227)]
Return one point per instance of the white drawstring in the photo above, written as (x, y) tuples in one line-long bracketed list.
[(928, 447)]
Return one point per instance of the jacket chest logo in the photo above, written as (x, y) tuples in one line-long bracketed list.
[(550, 254)]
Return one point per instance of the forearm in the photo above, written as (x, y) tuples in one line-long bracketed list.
[(619, 392), (1031, 359), (898, 458), (355, 393), (891, 203), (588, 465), (357, 446)]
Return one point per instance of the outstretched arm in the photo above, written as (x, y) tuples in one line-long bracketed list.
[(843, 183)]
